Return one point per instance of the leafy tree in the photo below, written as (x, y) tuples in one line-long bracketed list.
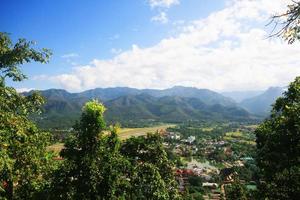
[(148, 183), (278, 144), (151, 168), (24, 161), (99, 166), (93, 167), (115, 169)]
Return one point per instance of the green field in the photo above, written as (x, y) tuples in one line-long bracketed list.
[(242, 137), (130, 132), (123, 134), (236, 134)]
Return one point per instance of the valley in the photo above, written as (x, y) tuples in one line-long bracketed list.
[(150, 100), (209, 137), (206, 155), (124, 133)]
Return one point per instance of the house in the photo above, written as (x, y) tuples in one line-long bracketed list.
[(210, 185), (191, 139), (173, 136)]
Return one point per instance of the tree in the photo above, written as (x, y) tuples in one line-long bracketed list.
[(152, 172), (278, 147), (148, 183), (24, 161), (289, 23), (99, 166), (93, 167)]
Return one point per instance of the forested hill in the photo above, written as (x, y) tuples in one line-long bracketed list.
[(105, 94), (133, 106), (262, 104)]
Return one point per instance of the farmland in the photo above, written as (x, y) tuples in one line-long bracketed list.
[(124, 133)]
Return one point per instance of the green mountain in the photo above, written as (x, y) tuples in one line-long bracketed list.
[(261, 104), (134, 107), (169, 109), (207, 96)]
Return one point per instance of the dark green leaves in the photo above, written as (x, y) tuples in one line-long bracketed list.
[(12, 56), (24, 161), (278, 144)]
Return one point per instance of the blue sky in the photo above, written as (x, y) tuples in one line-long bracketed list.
[(103, 38)]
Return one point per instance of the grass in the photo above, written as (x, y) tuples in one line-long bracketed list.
[(134, 132), (236, 134), (241, 140), (124, 134), (240, 136), (208, 129)]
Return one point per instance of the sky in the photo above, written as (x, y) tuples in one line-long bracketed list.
[(222, 45)]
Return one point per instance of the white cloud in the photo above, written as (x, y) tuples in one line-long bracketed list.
[(20, 90), (161, 18), (163, 3), (70, 55), (227, 50), (69, 81)]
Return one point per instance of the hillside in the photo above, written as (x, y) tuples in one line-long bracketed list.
[(135, 107), (169, 109), (261, 104), (239, 96)]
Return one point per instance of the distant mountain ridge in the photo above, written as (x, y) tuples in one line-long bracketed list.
[(262, 103), (132, 105), (105, 94), (239, 96), (170, 109)]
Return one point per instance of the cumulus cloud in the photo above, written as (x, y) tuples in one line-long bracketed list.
[(163, 3), (161, 18), (227, 50)]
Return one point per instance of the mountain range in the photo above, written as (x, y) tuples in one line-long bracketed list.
[(134, 107), (239, 96), (261, 104)]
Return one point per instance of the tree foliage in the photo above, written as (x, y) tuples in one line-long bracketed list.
[(278, 144), (93, 167), (289, 23), (24, 162), (99, 166), (152, 171)]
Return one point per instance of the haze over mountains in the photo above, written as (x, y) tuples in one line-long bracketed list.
[(132, 106), (239, 96), (261, 104)]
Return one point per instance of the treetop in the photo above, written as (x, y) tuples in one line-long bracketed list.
[(94, 107)]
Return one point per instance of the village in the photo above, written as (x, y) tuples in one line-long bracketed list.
[(206, 165)]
